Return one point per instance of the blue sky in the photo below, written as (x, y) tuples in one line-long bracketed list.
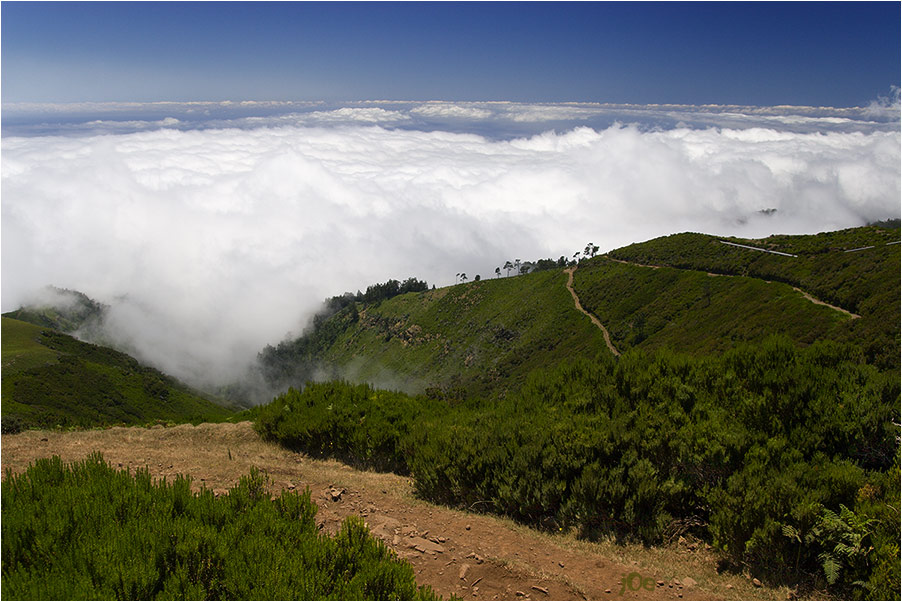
[(832, 54)]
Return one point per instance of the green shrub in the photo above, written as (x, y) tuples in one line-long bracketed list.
[(86, 531), (755, 450)]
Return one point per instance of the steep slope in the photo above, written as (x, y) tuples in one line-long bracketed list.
[(855, 269), (484, 337), (50, 379), (475, 338), (696, 312), (63, 310)]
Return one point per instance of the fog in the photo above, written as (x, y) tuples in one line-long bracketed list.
[(211, 236)]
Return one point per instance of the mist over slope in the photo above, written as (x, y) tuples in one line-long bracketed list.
[(213, 231)]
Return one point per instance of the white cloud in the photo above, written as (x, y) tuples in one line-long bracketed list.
[(886, 107), (446, 110), (224, 239)]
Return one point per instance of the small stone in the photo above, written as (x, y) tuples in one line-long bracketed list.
[(560, 564), (467, 527), (755, 582), (689, 582), (519, 594), (729, 587), (607, 591), (660, 583), (540, 589), (464, 569)]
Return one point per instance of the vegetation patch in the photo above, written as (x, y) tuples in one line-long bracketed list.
[(86, 531), (480, 338), (694, 312), (774, 454), (51, 379), (855, 269)]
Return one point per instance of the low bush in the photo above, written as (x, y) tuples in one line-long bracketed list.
[(86, 531), (763, 451)]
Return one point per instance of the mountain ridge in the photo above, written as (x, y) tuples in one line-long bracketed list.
[(682, 305)]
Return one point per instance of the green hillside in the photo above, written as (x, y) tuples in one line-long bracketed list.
[(51, 379), (754, 406), (63, 310), (784, 460), (485, 337), (856, 269), (694, 312), (474, 338)]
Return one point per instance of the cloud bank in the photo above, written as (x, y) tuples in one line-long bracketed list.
[(209, 243)]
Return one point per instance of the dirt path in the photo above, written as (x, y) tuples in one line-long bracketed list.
[(807, 296), (468, 555), (641, 265), (819, 302), (579, 306)]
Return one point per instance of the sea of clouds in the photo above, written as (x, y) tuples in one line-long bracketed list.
[(213, 229)]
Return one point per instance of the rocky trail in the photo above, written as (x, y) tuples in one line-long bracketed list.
[(475, 557)]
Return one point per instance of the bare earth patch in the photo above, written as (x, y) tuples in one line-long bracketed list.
[(457, 553)]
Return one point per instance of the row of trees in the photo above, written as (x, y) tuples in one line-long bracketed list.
[(527, 267)]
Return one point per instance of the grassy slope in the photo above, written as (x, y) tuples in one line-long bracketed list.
[(691, 311), (482, 337), (52, 379), (485, 337), (865, 282)]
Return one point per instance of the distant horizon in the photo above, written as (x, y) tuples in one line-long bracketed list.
[(838, 54), (421, 100)]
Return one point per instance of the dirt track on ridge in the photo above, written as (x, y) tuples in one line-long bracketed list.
[(579, 306), (807, 296), (457, 553)]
